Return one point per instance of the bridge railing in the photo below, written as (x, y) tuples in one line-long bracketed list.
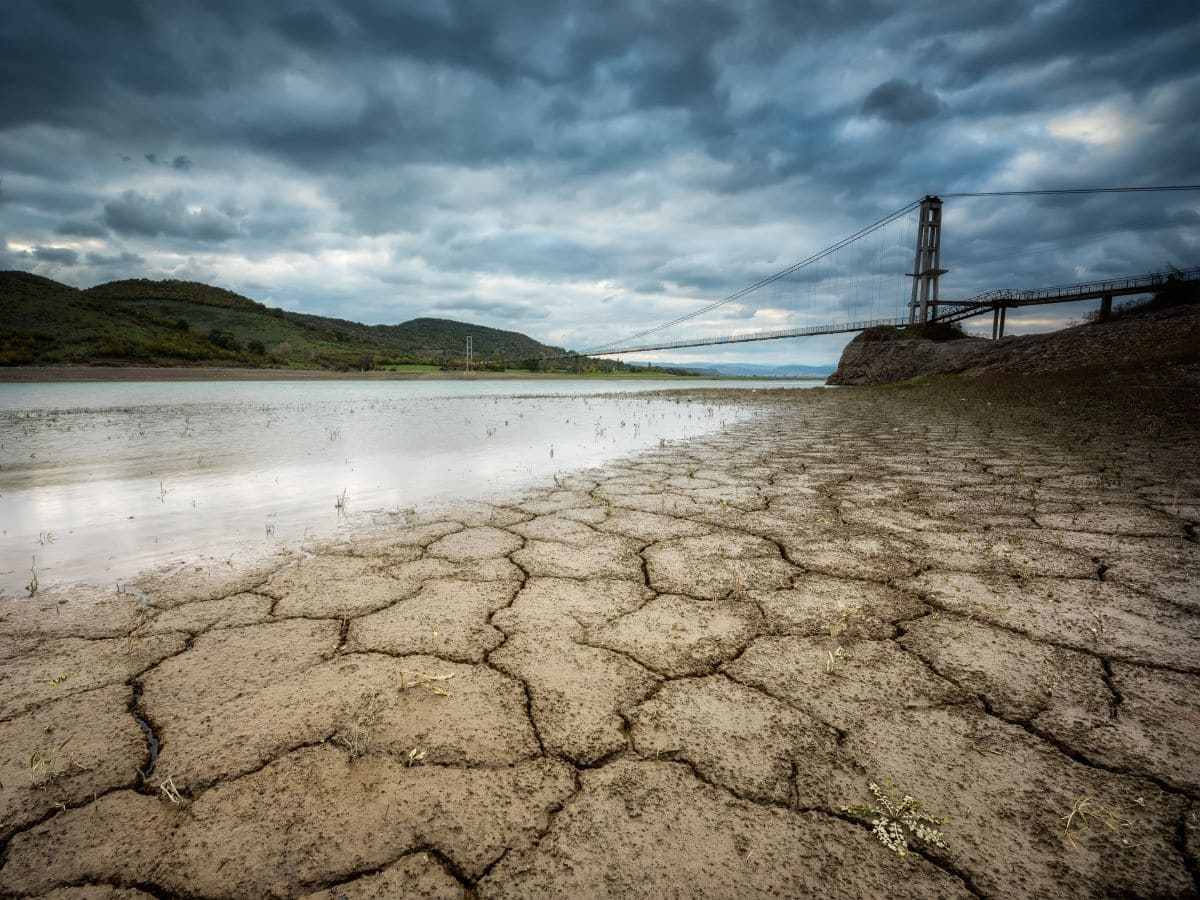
[(962, 309)]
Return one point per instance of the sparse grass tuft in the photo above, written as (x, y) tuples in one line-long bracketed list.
[(896, 821), (834, 659), (1088, 815), (42, 764), (356, 739)]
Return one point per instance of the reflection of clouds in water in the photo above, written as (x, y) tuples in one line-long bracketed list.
[(281, 453)]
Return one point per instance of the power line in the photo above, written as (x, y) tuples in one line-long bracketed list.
[(1102, 190)]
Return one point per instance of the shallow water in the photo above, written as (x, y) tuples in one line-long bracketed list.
[(99, 481)]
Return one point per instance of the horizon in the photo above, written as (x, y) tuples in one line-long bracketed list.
[(582, 175)]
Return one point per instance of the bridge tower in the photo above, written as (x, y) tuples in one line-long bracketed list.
[(927, 263)]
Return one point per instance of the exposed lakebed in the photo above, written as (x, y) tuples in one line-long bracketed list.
[(101, 480)]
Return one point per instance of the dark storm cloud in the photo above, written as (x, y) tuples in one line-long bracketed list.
[(900, 101), (78, 228), (135, 214), (1088, 34), (513, 160), (468, 306), (180, 163), (63, 255), (118, 259)]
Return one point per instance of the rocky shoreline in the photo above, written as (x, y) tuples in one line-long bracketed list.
[(680, 673)]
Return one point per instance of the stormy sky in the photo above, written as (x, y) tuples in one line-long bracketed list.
[(580, 170)]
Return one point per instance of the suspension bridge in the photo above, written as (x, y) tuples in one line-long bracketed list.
[(888, 274)]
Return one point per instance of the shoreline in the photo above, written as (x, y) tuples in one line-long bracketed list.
[(27, 374), (680, 667)]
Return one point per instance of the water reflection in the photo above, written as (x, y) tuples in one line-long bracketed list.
[(99, 481)]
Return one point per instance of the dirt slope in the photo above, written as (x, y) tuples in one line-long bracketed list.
[(881, 355)]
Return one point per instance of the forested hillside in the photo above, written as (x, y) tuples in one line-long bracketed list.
[(43, 322)]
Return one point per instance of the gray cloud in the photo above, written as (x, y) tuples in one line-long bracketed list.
[(897, 100), (136, 214), (124, 259), (63, 255), (498, 310), (587, 168), (179, 163), (81, 228)]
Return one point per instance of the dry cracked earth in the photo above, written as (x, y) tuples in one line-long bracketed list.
[(670, 677)]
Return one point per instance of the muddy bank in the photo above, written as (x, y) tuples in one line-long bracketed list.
[(1136, 342), (677, 675)]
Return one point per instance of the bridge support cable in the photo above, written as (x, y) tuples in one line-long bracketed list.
[(846, 287), (830, 290)]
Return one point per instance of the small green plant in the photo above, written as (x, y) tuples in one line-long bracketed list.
[(42, 764), (896, 821), (846, 619), (415, 757), (1088, 815), (835, 659)]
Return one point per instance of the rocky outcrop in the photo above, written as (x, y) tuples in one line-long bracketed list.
[(882, 355)]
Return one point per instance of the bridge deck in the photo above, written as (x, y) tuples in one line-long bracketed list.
[(946, 310), (1091, 290)]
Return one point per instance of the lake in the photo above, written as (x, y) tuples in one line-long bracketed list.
[(101, 480)]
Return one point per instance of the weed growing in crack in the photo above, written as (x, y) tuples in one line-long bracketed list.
[(896, 821), (415, 757), (169, 791), (1088, 815)]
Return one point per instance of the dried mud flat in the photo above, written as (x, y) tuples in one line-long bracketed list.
[(666, 678)]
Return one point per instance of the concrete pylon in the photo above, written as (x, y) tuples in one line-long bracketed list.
[(927, 262)]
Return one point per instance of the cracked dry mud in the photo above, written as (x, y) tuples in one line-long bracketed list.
[(667, 677)]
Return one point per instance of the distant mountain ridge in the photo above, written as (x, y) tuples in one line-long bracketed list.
[(170, 322), (173, 322)]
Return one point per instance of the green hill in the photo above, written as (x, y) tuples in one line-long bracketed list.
[(43, 322)]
